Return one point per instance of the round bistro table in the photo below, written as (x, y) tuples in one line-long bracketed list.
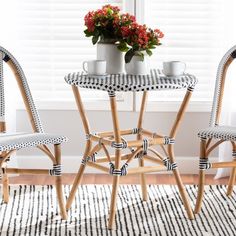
[(141, 148)]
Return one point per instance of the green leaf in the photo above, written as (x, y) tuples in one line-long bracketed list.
[(152, 47), (95, 39), (87, 33), (140, 54), (123, 47), (149, 52), (129, 55), (96, 32), (109, 11)]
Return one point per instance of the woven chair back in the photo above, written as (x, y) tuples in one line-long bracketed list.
[(8, 58), (219, 85)]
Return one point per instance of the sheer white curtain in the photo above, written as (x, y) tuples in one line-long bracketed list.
[(228, 116)]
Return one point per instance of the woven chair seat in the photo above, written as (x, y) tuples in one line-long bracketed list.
[(15, 141), (219, 132), (122, 82)]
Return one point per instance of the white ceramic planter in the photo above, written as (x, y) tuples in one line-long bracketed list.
[(113, 57), (138, 67)]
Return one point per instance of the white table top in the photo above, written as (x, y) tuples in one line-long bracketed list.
[(123, 82)]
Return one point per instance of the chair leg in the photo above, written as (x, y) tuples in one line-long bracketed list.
[(5, 183), (143, 182), (201, 180), (115, 186), (59, 190), (231, 181), (201, 183)]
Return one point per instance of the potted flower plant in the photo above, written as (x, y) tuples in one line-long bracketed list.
[(113, 30), (102, 27), (101, 24), (138, 41)]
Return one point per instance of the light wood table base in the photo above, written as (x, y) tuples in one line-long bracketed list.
[(140, 149)]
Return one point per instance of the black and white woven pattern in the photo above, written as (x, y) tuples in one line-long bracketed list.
[(139, 155), (219, 132), (8, 56), (169, 165), (92, 158), (168, 140), (122, 145), (17, 141), (121, 172), (136, 131), (56, 171), (144, 150), (33, 211), (230, 53), (204, 164), (145, 146), (111, 83), (2, 98), (234, 154)]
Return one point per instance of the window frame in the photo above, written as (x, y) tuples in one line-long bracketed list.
[(164, 106), (125, 101), (129, 101)]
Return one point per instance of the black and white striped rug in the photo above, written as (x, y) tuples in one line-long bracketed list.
[(33, 210)]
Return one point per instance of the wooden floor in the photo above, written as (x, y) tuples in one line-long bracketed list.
[(107, 179)]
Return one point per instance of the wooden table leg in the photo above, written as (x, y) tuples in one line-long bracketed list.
[(115, 184), (87, 148), (179, 182), (139, 137), (78, 177), (180, 185)]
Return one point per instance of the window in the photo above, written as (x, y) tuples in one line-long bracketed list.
[(52, 44), (193, 34)]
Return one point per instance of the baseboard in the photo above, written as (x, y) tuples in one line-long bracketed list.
[(187, 165)]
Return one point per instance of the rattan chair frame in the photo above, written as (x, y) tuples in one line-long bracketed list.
[(54, 156), (208, 142)]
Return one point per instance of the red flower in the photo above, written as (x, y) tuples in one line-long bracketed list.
[(127, 18), (109, 23), (158, 33), (89, 21), (125, 31), (115, 9)]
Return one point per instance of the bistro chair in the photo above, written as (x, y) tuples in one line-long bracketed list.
[(11, 142), (215, 134)]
